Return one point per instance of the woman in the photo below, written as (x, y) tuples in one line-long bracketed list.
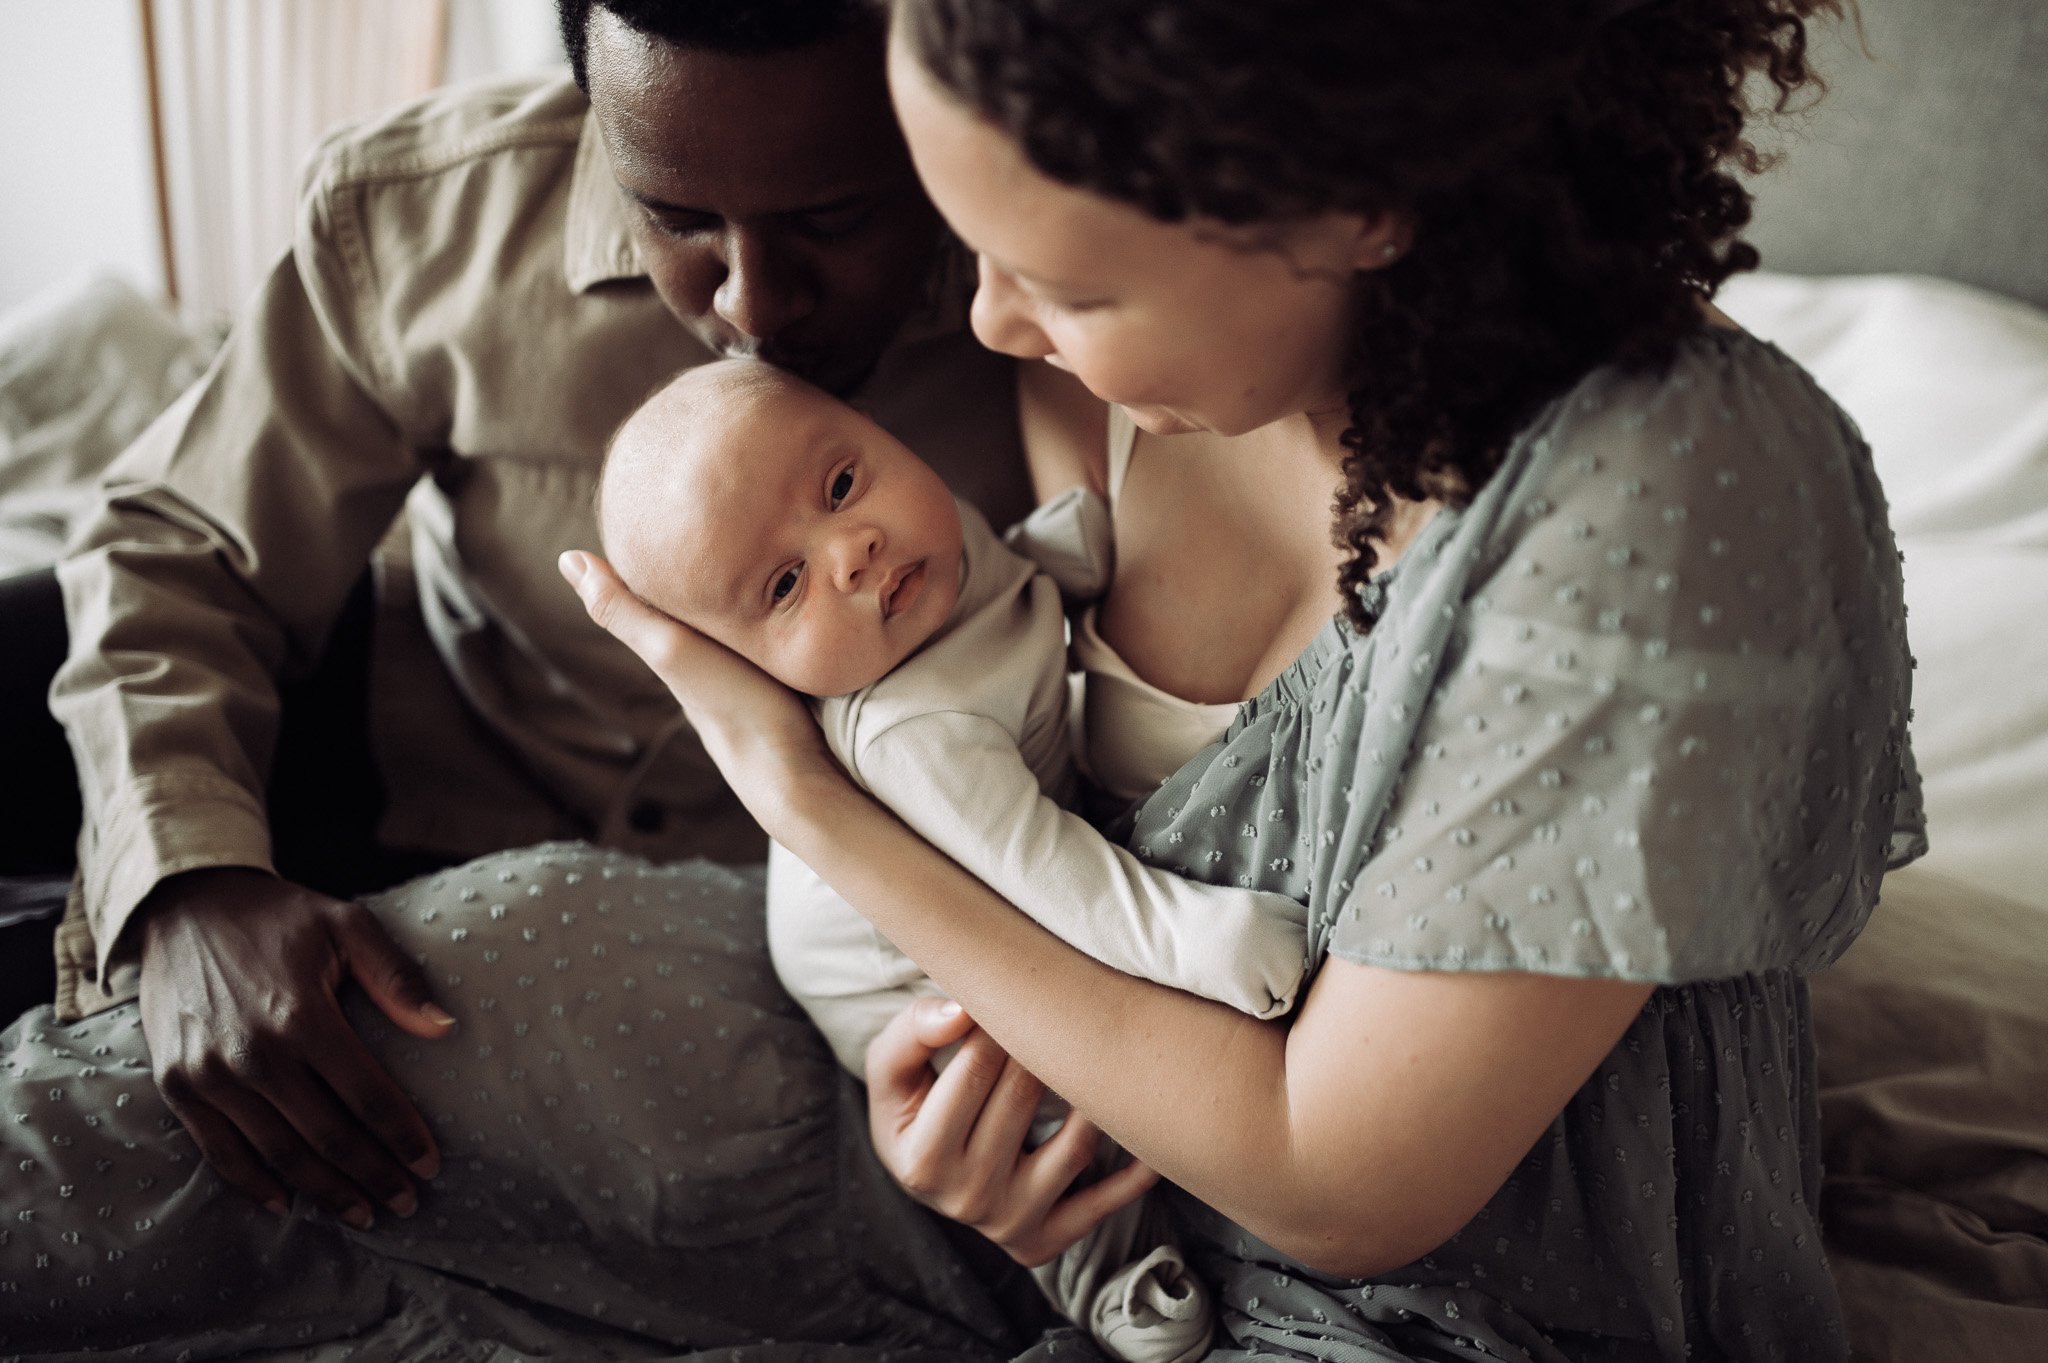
[(1606, 753), (1608, 749)]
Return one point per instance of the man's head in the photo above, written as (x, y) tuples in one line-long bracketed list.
[(772, 199), (773, 517)]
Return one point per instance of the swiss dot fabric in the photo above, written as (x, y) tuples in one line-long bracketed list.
[(1638, 711), (647, 1153)]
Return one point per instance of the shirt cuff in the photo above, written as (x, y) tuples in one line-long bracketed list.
[(157, 828)]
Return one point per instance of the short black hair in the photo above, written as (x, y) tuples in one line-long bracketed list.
[(737, 26)]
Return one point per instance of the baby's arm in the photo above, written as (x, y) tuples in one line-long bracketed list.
[(959, 781)]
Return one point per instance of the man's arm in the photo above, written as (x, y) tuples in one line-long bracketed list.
[(228, 537)]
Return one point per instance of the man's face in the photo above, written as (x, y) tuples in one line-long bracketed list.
[(773, 201)]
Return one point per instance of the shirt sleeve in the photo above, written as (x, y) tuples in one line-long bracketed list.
[(224, 544), (958, 780), (1669, 739)]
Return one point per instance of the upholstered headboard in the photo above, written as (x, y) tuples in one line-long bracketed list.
[(1930, 156)]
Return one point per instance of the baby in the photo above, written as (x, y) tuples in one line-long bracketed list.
[(793, 529)]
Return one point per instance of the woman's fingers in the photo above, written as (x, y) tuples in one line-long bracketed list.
[(1006, 1118), (659, 642), (899, 1060), (1086, 1208)]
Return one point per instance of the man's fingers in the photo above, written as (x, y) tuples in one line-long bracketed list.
[(281, 1146), (221, 1144), (342, 1142), (372, 1098), (393, 980)]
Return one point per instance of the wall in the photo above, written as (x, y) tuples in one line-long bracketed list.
[(76, 186)]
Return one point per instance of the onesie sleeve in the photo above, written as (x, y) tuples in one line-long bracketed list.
[(958, 780), (1069, 538), (1668, 741)]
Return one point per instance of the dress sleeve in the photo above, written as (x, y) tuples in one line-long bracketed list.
[(1668, 740)]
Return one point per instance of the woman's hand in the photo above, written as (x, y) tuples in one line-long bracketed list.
[(758, 731), (955, 1141)]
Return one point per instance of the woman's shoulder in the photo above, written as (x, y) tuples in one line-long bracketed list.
[(1725, 412), (1723, 481)]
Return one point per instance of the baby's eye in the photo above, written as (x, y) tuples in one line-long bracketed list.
[(842, 486), (785, 584)]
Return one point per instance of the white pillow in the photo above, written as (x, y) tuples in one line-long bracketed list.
[(1949, 383), (1950, 386)]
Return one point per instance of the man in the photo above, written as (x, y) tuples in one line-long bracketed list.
[(480, 288)]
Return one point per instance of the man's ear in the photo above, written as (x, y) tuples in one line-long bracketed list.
[(1382, 239)]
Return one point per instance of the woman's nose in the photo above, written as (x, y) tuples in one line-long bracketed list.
[(999, 319), (764, 290)]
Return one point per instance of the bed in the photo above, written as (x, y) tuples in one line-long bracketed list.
[(1905, 267)]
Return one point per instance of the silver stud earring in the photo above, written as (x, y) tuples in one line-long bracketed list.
[(1389, 251)]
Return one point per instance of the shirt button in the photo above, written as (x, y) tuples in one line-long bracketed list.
[(647, 816)]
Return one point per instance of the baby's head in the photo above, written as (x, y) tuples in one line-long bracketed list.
[(781, 522)]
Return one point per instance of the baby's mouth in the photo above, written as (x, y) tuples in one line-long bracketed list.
[(902, 589)]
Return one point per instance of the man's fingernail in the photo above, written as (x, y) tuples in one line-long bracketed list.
[(572, 567), (359, 1217), (278, 1207), (436, 1014), (948, 1009), (405, 1204), (426, 1166)]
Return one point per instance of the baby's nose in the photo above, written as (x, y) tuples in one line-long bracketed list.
[(853, 554)]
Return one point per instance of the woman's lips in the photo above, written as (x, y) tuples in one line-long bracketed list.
[(901, 592)]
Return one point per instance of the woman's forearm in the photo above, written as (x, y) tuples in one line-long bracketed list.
[(1193, 1088), (1357, 1139)]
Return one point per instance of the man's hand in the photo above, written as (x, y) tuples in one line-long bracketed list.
[(240, 977), (955, 1141)]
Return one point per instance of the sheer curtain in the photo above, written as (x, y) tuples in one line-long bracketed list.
[(240, 92)]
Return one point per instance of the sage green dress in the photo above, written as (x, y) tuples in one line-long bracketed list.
[(1639, 711)]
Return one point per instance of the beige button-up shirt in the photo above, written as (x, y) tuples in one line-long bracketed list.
[(460, 324)]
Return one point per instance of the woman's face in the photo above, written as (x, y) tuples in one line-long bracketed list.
[(1187, 327)]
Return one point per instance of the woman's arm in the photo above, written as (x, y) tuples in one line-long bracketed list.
[(1356, 1141)]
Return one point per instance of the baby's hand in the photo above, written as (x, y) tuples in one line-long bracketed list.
[(760, 733)]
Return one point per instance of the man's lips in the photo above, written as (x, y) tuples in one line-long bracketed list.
[(901, 589)]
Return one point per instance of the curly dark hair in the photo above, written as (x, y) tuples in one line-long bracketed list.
[(1566, 166), (716, 25)]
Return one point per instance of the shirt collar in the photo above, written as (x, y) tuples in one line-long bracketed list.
[(597, 244)]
